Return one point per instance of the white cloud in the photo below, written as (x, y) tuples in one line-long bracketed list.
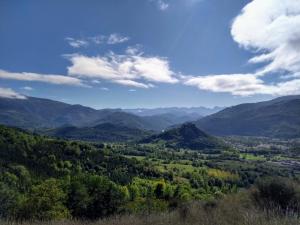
[(131, 69), (116, 39), (104, 89), (237, 84), (132, 90), (271, 29), (243, 85), (9, 93), (27, 88), (47, 78), (77, 43)]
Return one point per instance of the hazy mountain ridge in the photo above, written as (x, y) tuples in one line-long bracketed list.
[(279, 117), (179, 111)]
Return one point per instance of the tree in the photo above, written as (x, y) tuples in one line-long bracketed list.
[(10, 202), (46, 201)]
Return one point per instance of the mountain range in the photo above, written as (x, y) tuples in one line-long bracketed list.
[(193, 112), (279, 118), (37, 113)]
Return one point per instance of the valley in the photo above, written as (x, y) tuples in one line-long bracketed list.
[(126, 164)]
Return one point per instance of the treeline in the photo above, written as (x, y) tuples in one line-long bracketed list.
[(43, 178)]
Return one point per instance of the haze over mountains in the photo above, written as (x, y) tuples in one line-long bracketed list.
[(180, 111)]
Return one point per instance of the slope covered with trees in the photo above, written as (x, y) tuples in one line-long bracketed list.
[(104, 132), (44, 178), (275, 118), (186, 136)]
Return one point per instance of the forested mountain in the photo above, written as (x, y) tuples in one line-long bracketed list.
[(36, 113), (279, 117), (186, 136), (104, 132)]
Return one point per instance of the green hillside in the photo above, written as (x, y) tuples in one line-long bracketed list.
[(276, 118), (186, 136)]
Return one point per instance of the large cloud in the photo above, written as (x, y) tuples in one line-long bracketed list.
[(271, 29), (47, 78), (131, 69), (9, 93), (243, 85)]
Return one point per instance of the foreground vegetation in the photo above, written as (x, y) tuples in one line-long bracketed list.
[(238, 209), (48, 179)]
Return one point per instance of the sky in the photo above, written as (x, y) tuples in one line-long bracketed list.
[(150, 53)]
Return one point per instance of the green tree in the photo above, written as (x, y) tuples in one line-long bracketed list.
[(46, 201)]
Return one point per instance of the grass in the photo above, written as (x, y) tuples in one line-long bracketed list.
[(232, 210), (251, 157)]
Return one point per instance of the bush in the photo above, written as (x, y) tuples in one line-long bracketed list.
[(277, 194)]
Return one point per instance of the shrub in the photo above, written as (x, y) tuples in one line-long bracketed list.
[(277, 194)]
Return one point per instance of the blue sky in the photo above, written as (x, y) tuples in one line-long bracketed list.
[(149, 53)]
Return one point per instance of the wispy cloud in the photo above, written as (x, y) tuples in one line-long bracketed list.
[(47, 78), (27, 88), (131, 69), (132, 83), (96, 82), (116, 39), (77, 43), (111, 39), (270, 28), (9, 93)]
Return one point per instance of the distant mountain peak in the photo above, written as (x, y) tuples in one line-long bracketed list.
[(190, 131), (186, 136)]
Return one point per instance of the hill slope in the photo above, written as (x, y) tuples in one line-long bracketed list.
[(276, 118), (186, 136), (105, 132), (37, 112)]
